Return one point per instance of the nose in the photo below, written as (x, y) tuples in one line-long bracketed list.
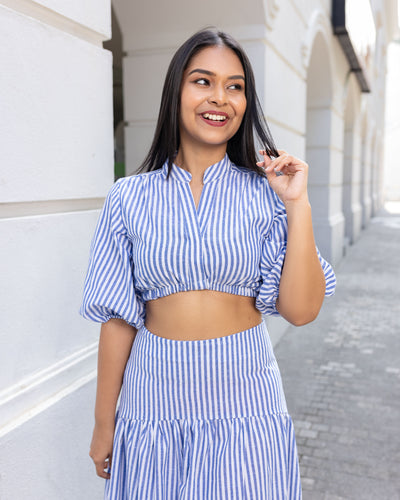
[(217, 96)]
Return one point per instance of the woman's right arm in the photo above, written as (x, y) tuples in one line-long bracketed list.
[(116, 340)]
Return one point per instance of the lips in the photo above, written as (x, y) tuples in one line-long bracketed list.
[(215, 118)]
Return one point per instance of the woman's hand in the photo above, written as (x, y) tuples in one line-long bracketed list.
[(101, 449), (286, 175), (302, 282), (116, 340)]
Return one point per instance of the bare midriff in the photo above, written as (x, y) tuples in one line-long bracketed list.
[(200, 315)]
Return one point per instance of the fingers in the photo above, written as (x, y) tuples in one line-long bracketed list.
[(103, 469), (283, 164), (103, 466), (270, 164), (284, 160), (267, 160)]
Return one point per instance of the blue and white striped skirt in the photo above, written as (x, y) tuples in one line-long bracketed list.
[(203, 420)]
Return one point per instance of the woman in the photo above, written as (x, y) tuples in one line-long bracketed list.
[(185, 259)]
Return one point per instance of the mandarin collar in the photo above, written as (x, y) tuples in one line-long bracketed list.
[(212, 173)]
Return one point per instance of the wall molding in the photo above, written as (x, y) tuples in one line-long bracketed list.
[(296, 71), (37, 392), (49, 17), (330, 221), (299, 12), (48, 207), (284, 126), (271, 12)]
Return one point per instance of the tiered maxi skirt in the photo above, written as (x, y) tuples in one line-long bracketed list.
[(203, 420)]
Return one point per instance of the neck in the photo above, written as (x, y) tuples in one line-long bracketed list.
[(197, 160)]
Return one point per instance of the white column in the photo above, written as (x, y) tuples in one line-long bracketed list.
[(56, 159)]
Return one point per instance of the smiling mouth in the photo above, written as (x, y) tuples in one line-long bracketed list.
[(214, 118)]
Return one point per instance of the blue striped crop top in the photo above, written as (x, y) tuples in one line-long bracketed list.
[(151, 241)]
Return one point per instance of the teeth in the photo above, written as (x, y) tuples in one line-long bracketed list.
[(217, 118)]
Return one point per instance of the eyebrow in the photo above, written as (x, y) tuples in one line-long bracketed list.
[(210, 73)]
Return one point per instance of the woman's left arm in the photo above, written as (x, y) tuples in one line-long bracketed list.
[(302, 283)]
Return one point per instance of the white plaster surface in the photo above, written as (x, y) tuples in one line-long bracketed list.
[(155, 24), (47, 458), (288, 20), (94, 14), (336, 172), (138, 137), (392, 137), (144, 74), (318, 126), (319, 162), (56, 135), (337, 131), (287, 139), (287, 107), (43, 263)]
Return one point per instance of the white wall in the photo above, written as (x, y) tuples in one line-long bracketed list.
[(392, 126), (47, 457), (56, 157)]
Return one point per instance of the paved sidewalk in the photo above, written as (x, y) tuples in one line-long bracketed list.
[(341, 376)]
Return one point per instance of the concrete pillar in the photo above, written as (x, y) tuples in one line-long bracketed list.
[(365, 160), (56, 154), (351, 165), (319, 148)]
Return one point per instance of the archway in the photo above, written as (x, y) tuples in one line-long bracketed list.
[(318, 143)]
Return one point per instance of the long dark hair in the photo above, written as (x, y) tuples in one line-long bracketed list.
[(241, 147)]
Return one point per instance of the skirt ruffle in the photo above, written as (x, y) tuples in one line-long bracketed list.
[(199, 459)]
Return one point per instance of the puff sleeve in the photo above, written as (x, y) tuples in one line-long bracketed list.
[(109, 284), (272, 257)]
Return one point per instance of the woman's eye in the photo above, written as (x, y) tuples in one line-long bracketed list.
[(236, 86), (202, 81)]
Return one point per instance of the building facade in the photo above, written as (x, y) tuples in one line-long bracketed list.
[(79, 97)]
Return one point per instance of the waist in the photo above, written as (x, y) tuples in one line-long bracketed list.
[(232, 376), (201, 315)]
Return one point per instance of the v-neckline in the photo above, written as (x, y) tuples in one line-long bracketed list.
[(198, 216), (200, 197)]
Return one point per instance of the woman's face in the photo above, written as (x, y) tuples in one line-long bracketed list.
[(213, 99)]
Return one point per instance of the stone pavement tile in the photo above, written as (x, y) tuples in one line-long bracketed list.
[(307, 483), (341, 376), (320, 495), (307, 433), (313, 494), (353, 487)]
